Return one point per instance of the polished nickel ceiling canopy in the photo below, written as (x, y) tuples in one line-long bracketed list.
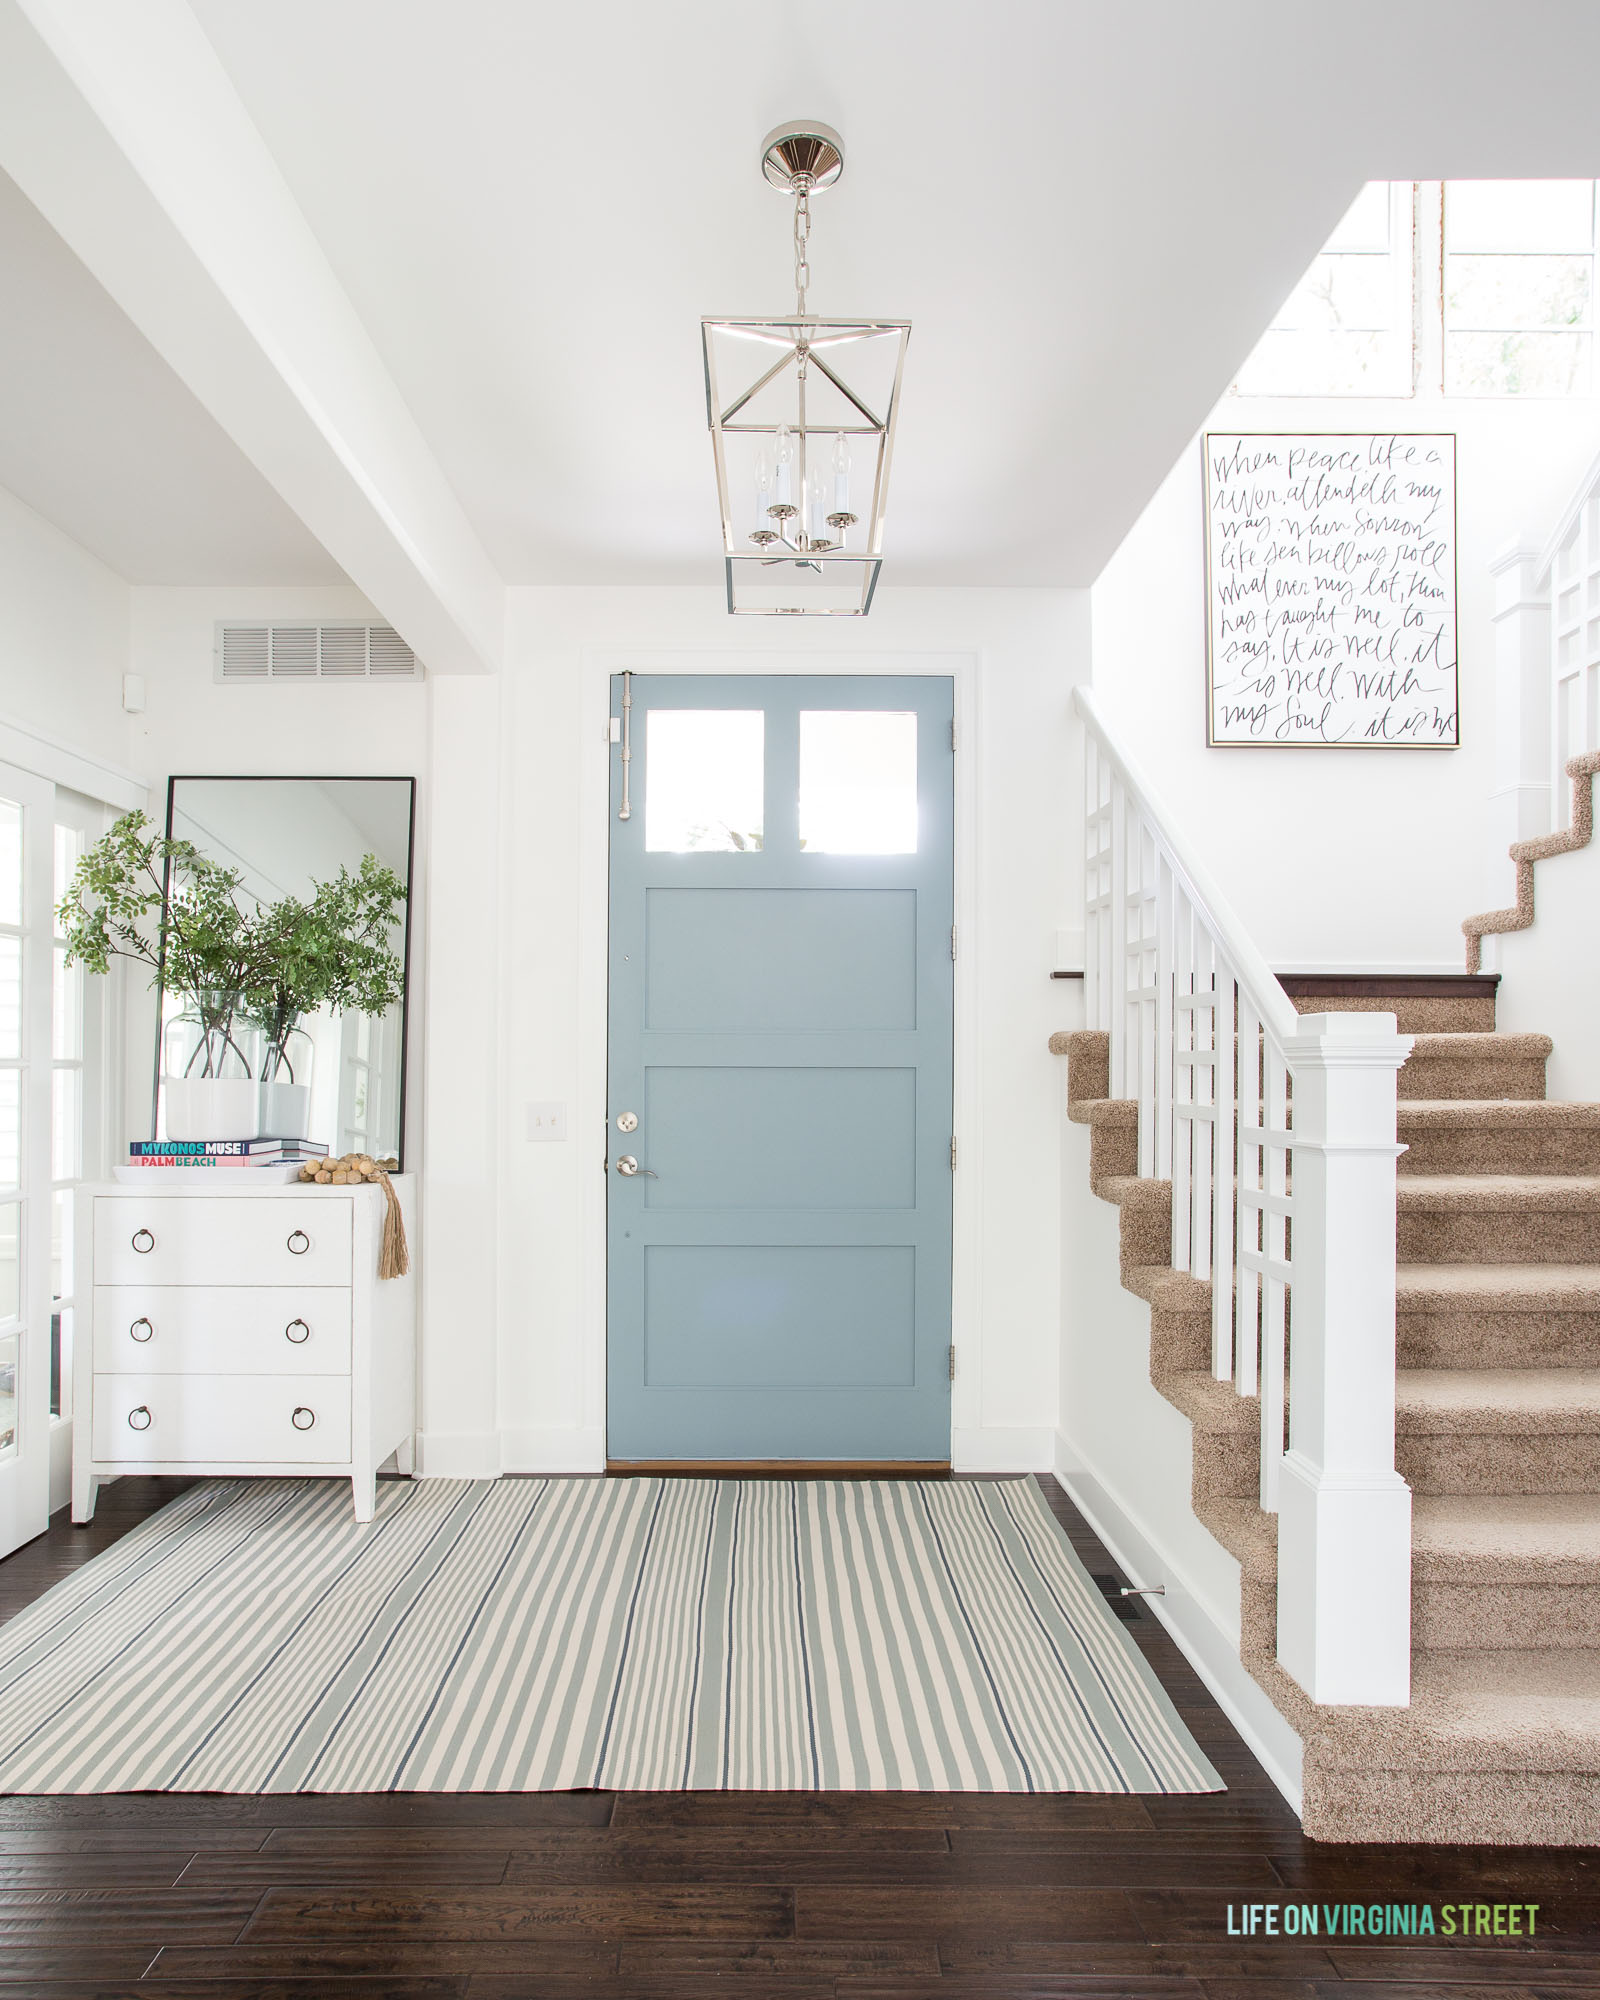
[(802, 414)]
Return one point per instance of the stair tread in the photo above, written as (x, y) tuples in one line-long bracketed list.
[(1499, 1287), (1245, 1530), (1514, 1401), (1496, 1192), (1510, 1538), (1522, 1540), (1211, 1405), (1560, 1113), (1479, 1045), (1498, 1709)]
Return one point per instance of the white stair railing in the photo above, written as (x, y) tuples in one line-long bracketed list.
[(1277, 1132)]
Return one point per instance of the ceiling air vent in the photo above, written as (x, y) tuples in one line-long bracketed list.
[(343, 651)]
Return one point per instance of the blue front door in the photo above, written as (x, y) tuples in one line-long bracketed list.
[(780, 1069)]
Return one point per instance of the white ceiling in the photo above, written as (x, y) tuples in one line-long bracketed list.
[(98, 435), (1087, 210)]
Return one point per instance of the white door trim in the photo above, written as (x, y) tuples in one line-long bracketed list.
[(589, 1109)]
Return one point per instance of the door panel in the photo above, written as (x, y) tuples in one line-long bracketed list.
[(763, 961), (704, 1124), (796, 1317), (781, 1031)]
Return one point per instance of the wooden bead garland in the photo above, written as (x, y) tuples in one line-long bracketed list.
[(349, 1170)]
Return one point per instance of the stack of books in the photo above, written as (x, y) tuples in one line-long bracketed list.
[(202, 1159)]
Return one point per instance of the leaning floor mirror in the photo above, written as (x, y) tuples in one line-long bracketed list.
[(284, 984)]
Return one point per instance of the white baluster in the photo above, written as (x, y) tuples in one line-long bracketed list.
[(1223, 1168)]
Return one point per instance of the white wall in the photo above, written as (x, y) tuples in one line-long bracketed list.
[(63, 636), (1549, 975), (525, 907), (1366, 859)]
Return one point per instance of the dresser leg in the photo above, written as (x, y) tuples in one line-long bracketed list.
[(84, 1489), (364, 1491), (405, 1456)]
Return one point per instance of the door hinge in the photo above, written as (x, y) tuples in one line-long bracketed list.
[(952, 941), (952, 1155), (952, 1363)]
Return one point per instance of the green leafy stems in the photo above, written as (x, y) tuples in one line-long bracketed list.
[(162, 902)]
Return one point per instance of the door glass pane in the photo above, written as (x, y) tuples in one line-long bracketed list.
[(858, 781), (69, 848), (10, 997), (10, 862), (61, 1244), (703, 790), (67, 1031), (10, 1137), (60, 1356), (10, 1266), (8, 1395), (65, 1144)]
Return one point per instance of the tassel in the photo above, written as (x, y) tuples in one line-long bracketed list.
[(394, 1258)]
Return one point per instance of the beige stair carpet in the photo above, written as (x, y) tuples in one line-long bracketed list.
[(1497, 1429)]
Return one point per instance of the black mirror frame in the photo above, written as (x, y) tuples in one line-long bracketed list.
[(312, 778)]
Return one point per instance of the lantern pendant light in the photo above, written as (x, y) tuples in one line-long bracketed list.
[(802, 413)]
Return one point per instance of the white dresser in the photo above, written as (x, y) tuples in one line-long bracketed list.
[(244, 1330)]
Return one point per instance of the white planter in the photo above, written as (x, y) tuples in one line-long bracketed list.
[(209, 1107), (285, 1110)]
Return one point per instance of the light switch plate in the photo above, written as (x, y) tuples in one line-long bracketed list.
[(547, 1121)]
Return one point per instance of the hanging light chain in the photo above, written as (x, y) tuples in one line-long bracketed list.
[(802, 235)]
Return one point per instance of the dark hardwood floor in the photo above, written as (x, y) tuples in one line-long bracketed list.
[(899, 1896)]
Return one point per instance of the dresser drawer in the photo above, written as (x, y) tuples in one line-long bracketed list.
[(221, 1419), (296, 1240), (221, 1330)]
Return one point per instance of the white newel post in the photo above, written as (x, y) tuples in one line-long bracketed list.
[(1520, 804), (1344, 1520)]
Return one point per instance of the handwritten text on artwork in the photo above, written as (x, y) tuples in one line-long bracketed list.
[(1331, 589)]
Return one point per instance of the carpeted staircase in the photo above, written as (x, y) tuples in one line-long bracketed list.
[(1498, 1432)]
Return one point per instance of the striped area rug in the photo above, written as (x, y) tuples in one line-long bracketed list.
[(549, 1634)]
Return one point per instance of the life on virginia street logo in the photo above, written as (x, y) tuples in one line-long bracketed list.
[(1385, 1920)]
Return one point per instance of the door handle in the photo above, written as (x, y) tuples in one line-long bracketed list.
[(628, 1166)]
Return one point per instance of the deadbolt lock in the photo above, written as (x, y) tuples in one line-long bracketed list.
[(627, 1121)]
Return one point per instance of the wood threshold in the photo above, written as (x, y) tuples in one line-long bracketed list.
[(778, 1468), (1398, 986)]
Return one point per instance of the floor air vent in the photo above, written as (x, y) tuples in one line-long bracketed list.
[(1125, 1608), (342, 651)]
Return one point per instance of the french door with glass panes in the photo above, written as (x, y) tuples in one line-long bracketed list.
[(27, 1040)]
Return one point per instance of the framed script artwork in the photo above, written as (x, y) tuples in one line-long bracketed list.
[(1331, 591)]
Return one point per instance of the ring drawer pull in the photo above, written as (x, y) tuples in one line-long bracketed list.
[(299, 1243), (147, 1245), (304, 1333), (303, 1418), (148, 1332), (139, 1419)]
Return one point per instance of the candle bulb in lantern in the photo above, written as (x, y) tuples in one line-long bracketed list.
[(841, 518), (763, 532), (783, 505)]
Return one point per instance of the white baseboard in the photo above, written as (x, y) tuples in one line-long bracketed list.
[(458, 1455), (553, 1450), (1003, 1448), (1211, 1651)]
